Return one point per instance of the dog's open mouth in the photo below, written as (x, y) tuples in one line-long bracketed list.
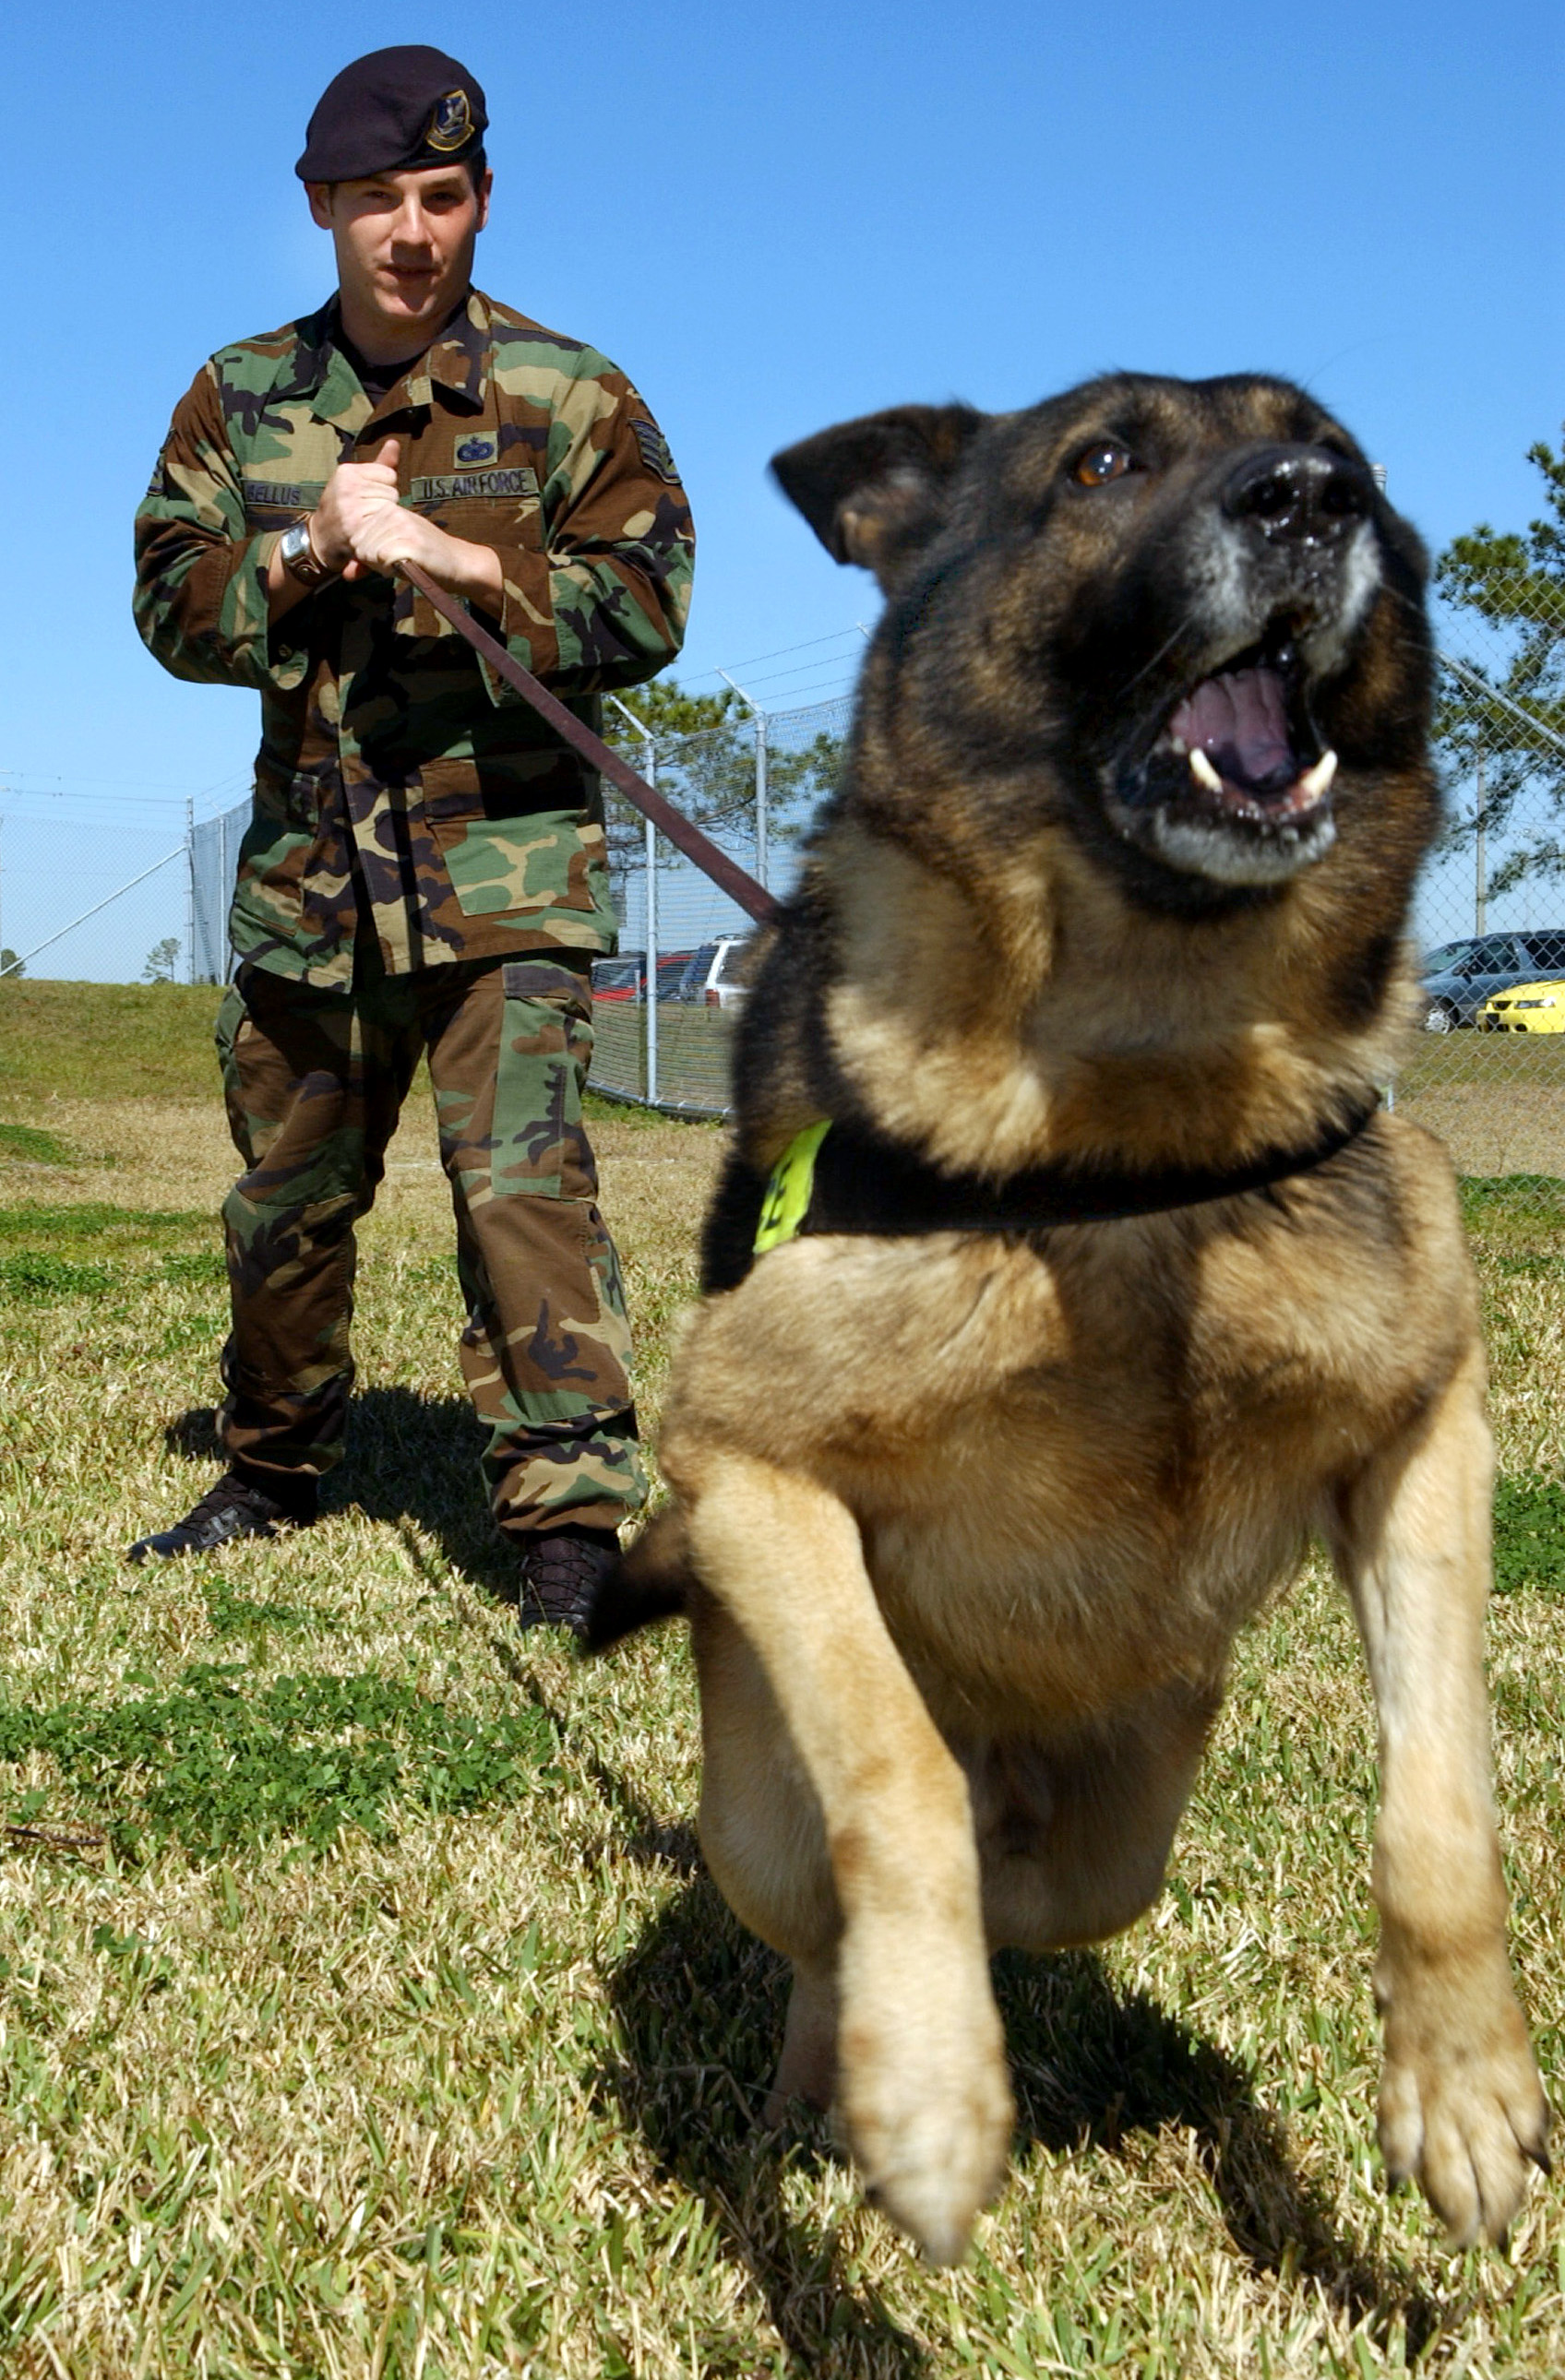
[(1236, 782)]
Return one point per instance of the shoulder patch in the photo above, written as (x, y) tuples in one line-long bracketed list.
[(654, 450)]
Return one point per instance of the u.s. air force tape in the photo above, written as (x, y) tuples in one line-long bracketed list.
[(445, 487)]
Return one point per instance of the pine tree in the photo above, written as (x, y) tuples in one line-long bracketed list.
[(705, 746), (163, 960), (1510, 715)]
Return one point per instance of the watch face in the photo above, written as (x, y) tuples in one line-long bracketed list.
[(298, 554)]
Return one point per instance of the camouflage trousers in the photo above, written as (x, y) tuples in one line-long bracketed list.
[(314, 1081)]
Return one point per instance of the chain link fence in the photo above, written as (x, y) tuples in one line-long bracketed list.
[(93, 890), (215, 852), (1489, 1074), (85, 892), (754, 786)]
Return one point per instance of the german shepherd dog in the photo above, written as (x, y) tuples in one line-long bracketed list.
[(1096, 1280)]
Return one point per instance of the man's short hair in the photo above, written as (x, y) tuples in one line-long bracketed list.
[(475, 164)]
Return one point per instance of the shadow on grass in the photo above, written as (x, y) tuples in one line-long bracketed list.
[(700, 2005), (410, 1460), (1096, 2071)]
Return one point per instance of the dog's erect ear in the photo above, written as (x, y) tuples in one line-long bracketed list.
[(874, 490)]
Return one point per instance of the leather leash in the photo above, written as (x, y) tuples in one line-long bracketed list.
[(725, 873)]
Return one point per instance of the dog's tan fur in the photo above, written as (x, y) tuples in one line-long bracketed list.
[(969, 1522)]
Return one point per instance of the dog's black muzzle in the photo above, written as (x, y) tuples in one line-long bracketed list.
[(1299, 496), (1231, 779)]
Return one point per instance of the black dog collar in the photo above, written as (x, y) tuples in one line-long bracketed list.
[(847, 1177)]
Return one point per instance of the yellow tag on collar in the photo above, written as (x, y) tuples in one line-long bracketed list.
[(788, 1193)]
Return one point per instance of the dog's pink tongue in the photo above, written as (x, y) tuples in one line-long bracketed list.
[(1241, 720)]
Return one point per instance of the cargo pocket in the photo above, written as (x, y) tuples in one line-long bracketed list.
[(513, 837), (231, 1014), (540, 1142)]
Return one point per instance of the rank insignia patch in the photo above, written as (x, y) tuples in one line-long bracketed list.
[(483, 448), (451, 123), (655, 451)]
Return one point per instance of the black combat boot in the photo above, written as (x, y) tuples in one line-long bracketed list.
[(561, 1571), (234, 1507)]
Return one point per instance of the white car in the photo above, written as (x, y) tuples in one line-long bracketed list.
[(715, 977)]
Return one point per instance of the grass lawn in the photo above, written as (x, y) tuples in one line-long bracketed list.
[(1496, 1098), (364, 2009)]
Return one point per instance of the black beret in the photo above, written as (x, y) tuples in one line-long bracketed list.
[(395, 109)]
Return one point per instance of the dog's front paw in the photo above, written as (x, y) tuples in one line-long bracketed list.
[(924, 2095), (1462, 2111)]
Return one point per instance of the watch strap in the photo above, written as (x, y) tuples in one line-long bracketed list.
[(299, 555)]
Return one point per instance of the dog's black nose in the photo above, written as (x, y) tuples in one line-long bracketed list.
[(1301, 492)]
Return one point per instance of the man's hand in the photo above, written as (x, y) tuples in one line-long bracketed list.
[(360, 530), (355, 498)]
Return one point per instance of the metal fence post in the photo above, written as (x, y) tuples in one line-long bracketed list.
[(760, 812), (191, 887), (762, 820), (1480, 890), (651, 942), (650, 849)]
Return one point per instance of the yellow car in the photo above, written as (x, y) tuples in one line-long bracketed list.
[(1524, 1008)]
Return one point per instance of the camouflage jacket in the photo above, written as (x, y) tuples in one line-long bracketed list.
[(397, 779)]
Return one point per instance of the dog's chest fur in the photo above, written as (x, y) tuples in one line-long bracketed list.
[(1078, 1463)]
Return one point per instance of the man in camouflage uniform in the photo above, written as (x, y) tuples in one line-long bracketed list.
[(425, 870)]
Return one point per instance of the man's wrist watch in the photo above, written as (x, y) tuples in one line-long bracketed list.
[(296, 551)]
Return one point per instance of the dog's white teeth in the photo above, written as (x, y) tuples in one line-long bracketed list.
[(1200, 768), (1178, 747), (1315, 781)]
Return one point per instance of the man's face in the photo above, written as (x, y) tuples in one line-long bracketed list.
[(404, 247)]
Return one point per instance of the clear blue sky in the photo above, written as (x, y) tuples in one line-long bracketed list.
[(775, 218)]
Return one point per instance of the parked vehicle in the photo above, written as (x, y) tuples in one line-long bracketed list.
[(625, 977), (621, 978), (1529, 1008), (1459, 976), (672, 968), (715, 976)]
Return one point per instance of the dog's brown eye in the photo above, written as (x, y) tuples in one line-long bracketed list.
[(1101, 463)]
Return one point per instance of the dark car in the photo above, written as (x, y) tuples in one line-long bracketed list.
[(621, 978), (672, 968), (626, 977), (1458, 976)]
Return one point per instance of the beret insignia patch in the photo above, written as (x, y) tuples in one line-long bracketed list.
[(451, 123), (655, 451)]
